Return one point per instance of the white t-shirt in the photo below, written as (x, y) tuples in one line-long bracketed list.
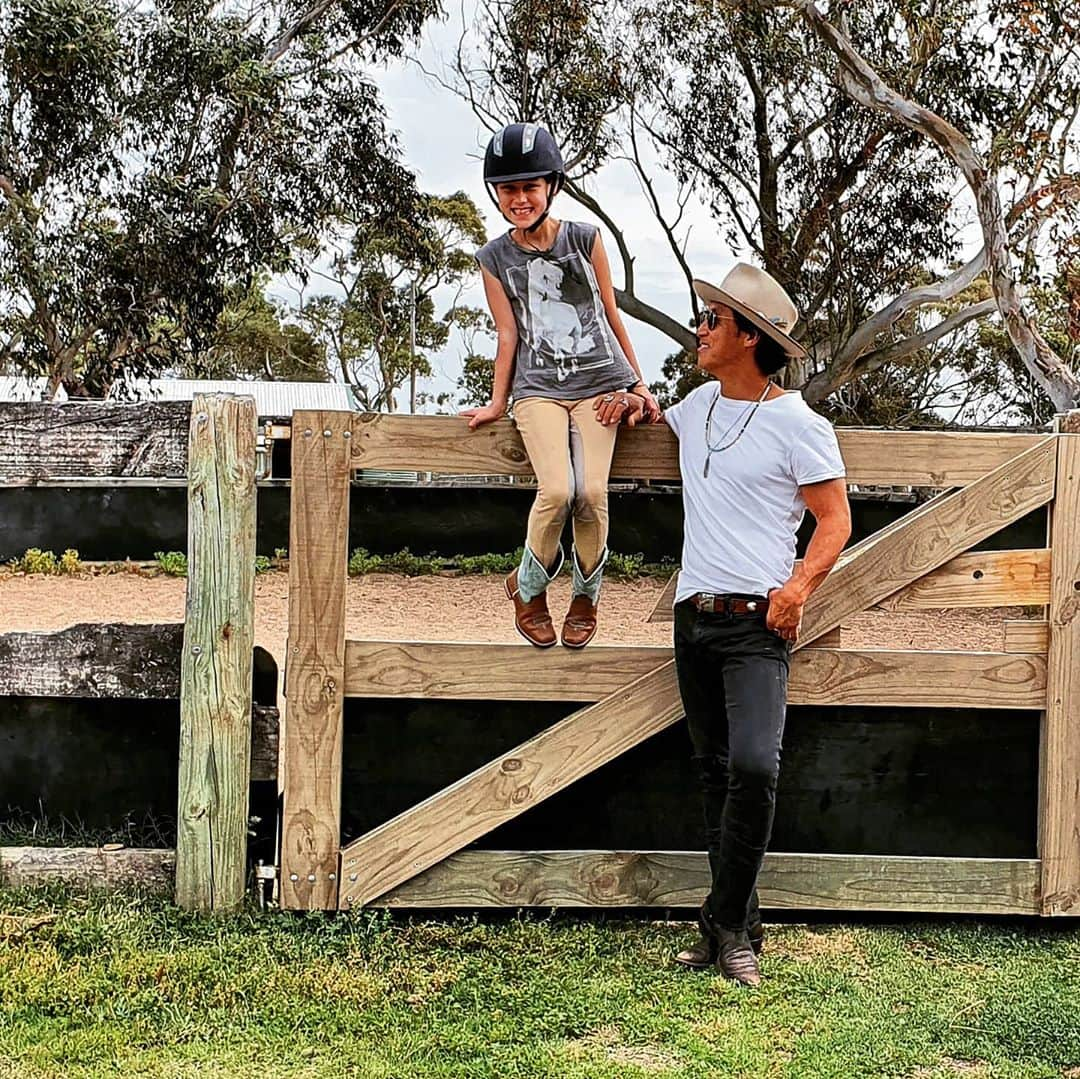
[(741, 520)]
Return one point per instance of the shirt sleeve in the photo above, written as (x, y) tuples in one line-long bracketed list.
[(485, 260), (815, 454), (673, 416), (583, 237)]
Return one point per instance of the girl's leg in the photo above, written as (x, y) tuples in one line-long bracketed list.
[(544, 426), (592, 445)]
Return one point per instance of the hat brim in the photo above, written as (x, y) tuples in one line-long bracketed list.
[(712, 294)]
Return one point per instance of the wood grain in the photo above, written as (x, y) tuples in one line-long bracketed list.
[(478, 878), (89, 867), (933, 537), (217, 657), (976, 579), (1059, 794), (315, 660), (44, 441), (821, 676), (1027, 635), (495, 672), (445, 444), (979, 579), (508, 785), (93, 660), (917, 679)]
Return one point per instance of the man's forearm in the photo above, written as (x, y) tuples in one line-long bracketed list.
[(828, 540)]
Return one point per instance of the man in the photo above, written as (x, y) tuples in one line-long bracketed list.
[(753, 458)]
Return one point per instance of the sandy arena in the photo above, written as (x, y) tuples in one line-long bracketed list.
[(475, 608)]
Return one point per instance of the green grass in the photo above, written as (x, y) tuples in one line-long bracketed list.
[(121, 985)]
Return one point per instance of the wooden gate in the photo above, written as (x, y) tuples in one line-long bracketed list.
[(418, 858)]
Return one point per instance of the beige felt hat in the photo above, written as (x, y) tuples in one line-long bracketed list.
[(758, 296)]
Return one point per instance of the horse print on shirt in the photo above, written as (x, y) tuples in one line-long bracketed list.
[(561, 307)]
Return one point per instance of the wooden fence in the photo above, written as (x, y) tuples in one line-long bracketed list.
[(418, 857), (206, 661)]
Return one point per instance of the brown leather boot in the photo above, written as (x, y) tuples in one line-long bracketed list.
[(531, 619), (706, 951), (580, 625), (736, 959)]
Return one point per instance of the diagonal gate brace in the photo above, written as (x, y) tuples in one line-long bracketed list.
[(505, 787)]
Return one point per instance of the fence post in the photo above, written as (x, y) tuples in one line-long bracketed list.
[(216, 665), (315, 660), (1059, 765)]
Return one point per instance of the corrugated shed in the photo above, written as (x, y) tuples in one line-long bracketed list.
[(271, 398), (17, 388)]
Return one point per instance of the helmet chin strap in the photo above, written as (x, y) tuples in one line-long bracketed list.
[(553, 190)]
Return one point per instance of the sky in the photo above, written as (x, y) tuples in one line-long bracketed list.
[(443, 142)]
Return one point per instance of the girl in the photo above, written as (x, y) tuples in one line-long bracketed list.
[(564, 356)]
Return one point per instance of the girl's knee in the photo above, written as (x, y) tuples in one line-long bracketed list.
[(554, 498), (591, 500)]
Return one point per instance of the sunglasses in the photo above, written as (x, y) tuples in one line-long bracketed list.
[(709, 317)]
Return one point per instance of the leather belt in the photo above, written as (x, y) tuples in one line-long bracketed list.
[(716, 603)]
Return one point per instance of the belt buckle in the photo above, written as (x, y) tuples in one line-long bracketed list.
[(707, 602)]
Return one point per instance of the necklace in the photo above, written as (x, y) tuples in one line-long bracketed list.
[(527, 243), (748, 413)]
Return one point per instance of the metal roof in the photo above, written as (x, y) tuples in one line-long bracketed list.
[(271, 398), (18, 388)]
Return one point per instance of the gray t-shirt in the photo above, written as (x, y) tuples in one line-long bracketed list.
[(741, 519), (566, 348)]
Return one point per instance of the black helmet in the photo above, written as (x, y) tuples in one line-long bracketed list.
[(523, 152)]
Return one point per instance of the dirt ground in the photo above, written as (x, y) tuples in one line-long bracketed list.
[(390, 607)]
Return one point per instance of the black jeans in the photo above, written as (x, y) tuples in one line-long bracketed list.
[(733, 676)]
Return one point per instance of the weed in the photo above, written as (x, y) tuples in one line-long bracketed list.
[(489, 563), (69, 562), (361, 562), (173, 563), (35, 560)]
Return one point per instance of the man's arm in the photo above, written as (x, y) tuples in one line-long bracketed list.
[(828, 502)]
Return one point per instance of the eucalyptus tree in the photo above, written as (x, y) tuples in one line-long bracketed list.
[(751, 110), (376, 315), (155, 155), (1018, 130)]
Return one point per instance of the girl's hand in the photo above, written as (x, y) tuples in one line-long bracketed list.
[(620, 406), (488, 414)]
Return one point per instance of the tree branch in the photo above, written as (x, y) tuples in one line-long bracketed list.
[(900, 350), (841, 367), (864, 85), (682, 335)]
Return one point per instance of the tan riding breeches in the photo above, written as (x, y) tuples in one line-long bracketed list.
[(570, 452)]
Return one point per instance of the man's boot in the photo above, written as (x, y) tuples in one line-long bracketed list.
[(580, 625), (706, 951), (526, 587), (736, 959)]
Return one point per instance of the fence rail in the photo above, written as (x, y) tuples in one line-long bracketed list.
[(417, 858)]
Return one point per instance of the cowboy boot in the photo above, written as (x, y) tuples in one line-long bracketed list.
[(706, 951), (736, 959), (526, 587), (580, 625)]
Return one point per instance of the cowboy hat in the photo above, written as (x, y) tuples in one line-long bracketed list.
[(758, 297)]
